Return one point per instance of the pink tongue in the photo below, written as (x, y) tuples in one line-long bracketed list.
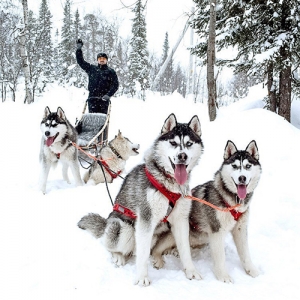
[(180, 173), (242, 191), (50, 141)]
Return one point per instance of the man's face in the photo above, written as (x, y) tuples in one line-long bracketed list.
[(102, 61)]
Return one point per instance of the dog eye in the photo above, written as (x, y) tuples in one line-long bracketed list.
[(189, 144), (173, 143), (235, 167), (248, 166)]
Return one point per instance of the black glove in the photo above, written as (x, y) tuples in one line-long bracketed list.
[(105, 98), (79, 44)]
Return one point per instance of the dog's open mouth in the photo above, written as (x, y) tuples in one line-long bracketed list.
[(50, 140), (180, 172), (135, 150), (241, 191)]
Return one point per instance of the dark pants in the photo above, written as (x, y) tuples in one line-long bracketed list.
[(97, 105)]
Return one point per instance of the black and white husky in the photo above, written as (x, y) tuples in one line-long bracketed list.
[(151, 193), (56, 147), (233, 184)]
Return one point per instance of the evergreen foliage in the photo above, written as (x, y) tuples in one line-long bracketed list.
[(138, 57), (266, 36)]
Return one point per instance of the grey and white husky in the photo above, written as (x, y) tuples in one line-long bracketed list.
[(233, 184), (113, 156), (56, 147), (151, 193)]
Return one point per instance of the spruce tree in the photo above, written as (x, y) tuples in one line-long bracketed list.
[(138, 57), (67, 43), (165, 84), (45, 44)]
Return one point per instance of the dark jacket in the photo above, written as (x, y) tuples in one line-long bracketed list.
[(102, 79)]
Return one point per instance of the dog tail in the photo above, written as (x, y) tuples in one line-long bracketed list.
[(93, 223)]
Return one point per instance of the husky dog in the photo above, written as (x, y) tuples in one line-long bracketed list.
[(151, 193), (233, 184), (56, 146), (113, 157)]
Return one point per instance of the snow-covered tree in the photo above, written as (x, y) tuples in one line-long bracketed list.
[(45, 40), (165, 84), (266, 36), (138, 57), (67, 43)]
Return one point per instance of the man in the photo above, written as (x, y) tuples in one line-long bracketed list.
[(103, 81)]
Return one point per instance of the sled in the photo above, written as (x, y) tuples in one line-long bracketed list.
[(91, 129)]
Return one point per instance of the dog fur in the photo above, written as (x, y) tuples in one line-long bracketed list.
[(57, 132), (233, 183), (170, 160), (115, 155)]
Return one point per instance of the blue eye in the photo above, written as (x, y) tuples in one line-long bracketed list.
[(189, 144), (248, 166)]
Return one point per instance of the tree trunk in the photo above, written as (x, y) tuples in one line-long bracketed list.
[(285, 87), (271, 89), (211, 59), (23, 52), (168, 59)]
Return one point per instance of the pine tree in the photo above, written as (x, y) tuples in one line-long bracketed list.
[(138, 57), (45, 45), (165, 84), (67, 43)]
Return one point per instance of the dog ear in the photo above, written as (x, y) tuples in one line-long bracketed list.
[(47, 112), (169, 124), (194, 124), (253, 150), (230, 149), (119, 133), (61, 113)]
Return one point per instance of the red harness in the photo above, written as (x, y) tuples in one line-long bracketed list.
[(236, 214), (109, 171), (172, 197)]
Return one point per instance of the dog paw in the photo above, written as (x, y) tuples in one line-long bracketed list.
[(118, 259), (252, 271), (224, 278), (172, 251), (142, 281), (192, 274), (158, 263)]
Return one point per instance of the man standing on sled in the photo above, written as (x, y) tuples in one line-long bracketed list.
[(103, 81)]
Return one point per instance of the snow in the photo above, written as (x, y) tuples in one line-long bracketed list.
[(44, 255)]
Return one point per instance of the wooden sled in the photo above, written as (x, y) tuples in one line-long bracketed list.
[(92, 131)]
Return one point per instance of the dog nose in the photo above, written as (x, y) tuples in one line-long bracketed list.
[(182, 157), (242, 179), (47, 133)]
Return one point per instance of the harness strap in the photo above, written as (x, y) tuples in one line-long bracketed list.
[(124, 210), (172, 197), (236, 214), (109, 171)]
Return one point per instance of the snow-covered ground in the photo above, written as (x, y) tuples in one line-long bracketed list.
[(44, 255)]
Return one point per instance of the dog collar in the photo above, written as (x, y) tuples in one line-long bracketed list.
[(172, 197), (114, 151), (236, 214)]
